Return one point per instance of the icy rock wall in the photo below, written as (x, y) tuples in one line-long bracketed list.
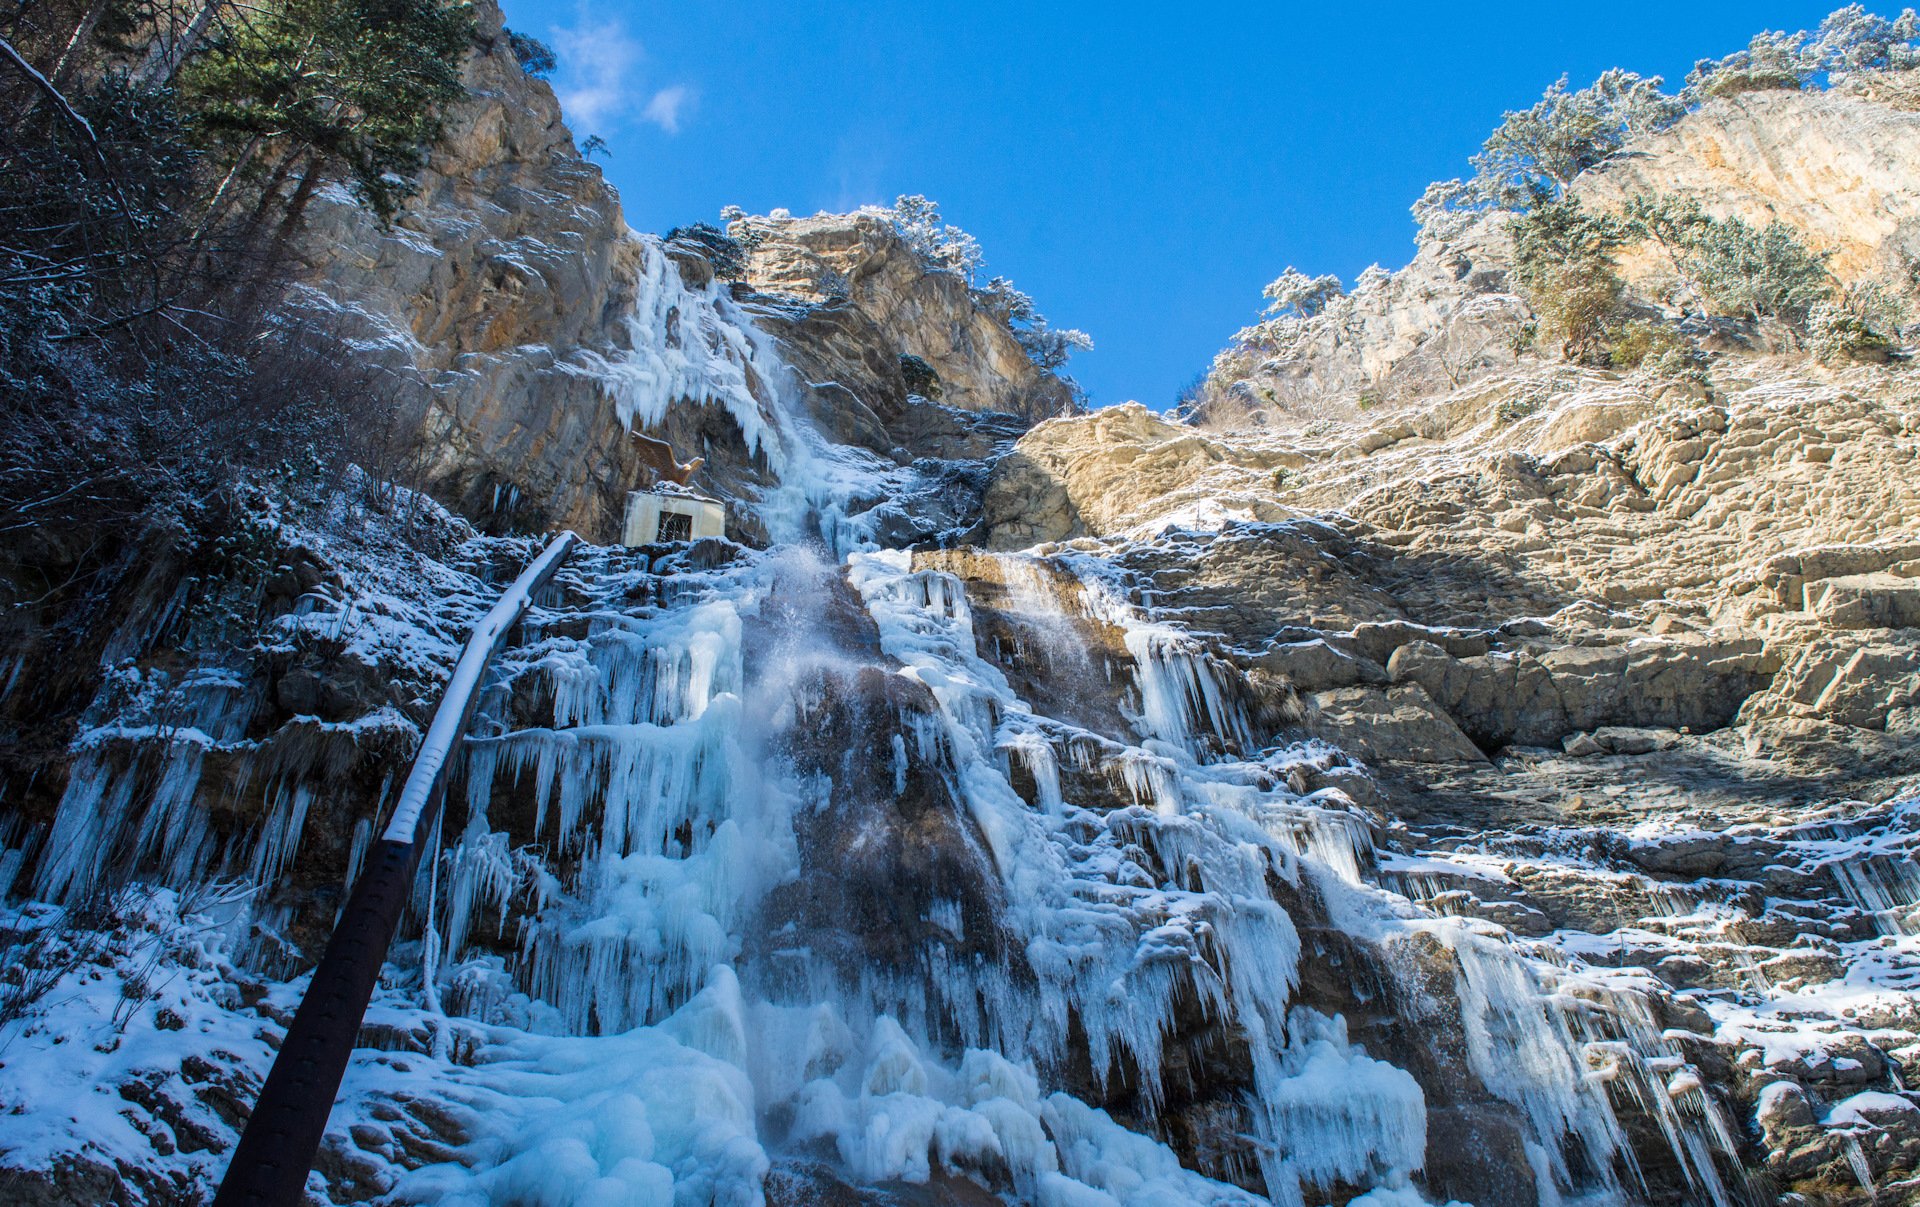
[(737, 884)]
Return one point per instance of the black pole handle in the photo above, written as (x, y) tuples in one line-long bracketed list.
[(270, 1164)]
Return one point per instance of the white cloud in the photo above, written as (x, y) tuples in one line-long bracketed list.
[(664, 109), (601, 79)]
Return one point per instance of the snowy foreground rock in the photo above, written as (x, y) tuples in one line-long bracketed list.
[(1508, 799)]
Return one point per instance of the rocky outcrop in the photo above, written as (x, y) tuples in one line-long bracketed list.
[(1447, 317), (521, 312), (1615, 558), (1834, 165), (871, 300), (511, 258), (514, 300)]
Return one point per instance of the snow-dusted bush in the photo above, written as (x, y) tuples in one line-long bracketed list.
[(1295, 294), (1865, 323), (1849, 40), (1563, 261), (941, 246), (921, 377), (1534, 154), (946, 248)]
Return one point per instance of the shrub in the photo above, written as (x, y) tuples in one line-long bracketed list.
[(1294, 294), (1772, 60), (1849, 40), (1009, 305), (832, 284), (536, 58), (1563, 258), (1864, 324), (1446, 209), (1760, 272), (921, 378), (1637, 339), (1190, 396), (1515, 407), (941, 247), (1733, 266), (1047, 346), (1659, 351)]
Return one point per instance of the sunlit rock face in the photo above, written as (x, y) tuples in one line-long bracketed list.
[(511, 263), (512, 281), (1837, 166), (1448, 316), (1616, 557), (875, 301)]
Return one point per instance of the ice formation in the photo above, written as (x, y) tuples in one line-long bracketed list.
[(649, 1017)]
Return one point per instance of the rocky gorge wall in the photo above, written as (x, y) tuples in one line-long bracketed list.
[(1834, 166), (512, 279)]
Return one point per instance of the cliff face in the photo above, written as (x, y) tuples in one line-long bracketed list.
[(531, 317), (1749, 561), (1837, 167), (512, 258), (1446, 317), (873, 296)]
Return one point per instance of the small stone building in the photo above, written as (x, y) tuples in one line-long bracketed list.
[(678, 516)]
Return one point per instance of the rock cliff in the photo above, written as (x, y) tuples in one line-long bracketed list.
[(870, 294), (513, 296), (1835, 165), (512, 259)]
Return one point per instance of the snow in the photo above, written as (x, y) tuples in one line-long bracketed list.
[(1869, 1108), (450, 718)]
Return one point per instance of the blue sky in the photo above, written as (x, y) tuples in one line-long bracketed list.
[(1141, 170)]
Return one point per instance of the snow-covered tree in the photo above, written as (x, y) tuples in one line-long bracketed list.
[(1446, 209), (1372, 277), (1772, 60), (1853, 39), (946, 248), (1294, 294), (1535, 153), (1048, 346), (941, 246), (1004, 302)]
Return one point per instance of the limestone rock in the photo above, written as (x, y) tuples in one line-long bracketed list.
[(512, 254), (1401, 723), (1833, 164), (871, 300)]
